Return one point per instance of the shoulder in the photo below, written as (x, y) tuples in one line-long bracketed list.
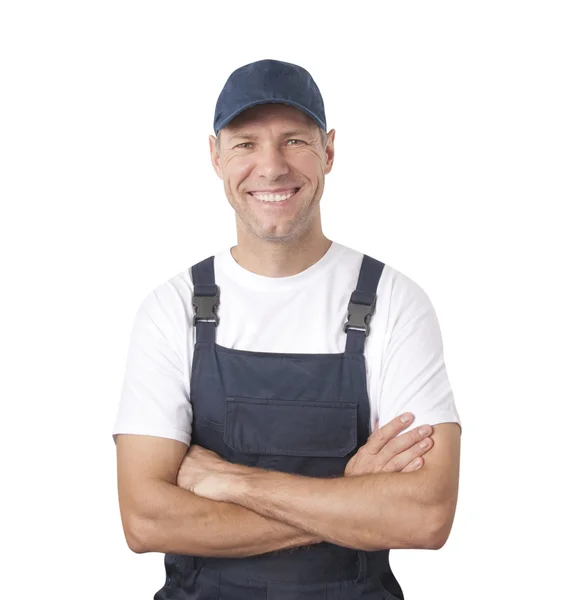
[(399, 296), (405, 298), (168, 304)]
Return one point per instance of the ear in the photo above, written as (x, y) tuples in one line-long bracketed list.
[(329, 151), (214, 155)]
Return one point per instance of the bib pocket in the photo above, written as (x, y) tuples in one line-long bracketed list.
[(284, 427)]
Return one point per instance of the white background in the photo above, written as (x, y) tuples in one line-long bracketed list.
[(449, 166)]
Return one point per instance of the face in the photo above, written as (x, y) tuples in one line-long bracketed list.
[(273, 164)]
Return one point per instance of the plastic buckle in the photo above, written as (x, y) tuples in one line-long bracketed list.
[(359, 315), (205, 308)]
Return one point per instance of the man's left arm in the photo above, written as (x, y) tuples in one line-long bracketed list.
[(368, 512)]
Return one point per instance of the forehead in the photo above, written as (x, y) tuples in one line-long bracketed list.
[(271, 116)]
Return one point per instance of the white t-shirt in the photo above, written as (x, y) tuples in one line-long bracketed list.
[(303, 313)]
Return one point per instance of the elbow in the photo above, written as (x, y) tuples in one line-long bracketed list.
[(436, 540), (429, 531), (135, 544), (136, 535), (438, 527)]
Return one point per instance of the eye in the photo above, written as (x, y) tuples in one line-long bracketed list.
[(244, 145), (294, 140)]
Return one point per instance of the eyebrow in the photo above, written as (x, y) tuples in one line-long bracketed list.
[(252, 136)]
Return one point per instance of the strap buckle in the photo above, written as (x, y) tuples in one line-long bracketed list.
[(359, 315), (205, 308)]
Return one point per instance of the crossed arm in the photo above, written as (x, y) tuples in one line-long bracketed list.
[(233, 510), (159, 516), (369, 512)]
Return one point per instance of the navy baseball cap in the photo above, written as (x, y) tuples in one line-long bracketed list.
[(269, 82)]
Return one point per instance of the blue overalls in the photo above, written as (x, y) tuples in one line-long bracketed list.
[(297, 413)]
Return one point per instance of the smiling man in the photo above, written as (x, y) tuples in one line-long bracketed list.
[(276, 199), (279, 396)]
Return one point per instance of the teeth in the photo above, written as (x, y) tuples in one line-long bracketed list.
[(273, 197)]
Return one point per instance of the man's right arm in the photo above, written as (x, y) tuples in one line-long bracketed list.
[(159, 516)]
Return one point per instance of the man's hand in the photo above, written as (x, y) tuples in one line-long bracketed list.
[(384, 452), (202, 472)]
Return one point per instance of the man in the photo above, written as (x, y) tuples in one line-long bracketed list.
[(247, 444)]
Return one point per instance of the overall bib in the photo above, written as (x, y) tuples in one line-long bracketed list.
[(296, 413)]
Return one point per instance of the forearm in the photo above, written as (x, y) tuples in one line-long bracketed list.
[(180, 522), (370, 512)]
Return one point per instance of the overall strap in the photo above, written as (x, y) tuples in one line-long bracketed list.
[(205, 300), (362, 304)]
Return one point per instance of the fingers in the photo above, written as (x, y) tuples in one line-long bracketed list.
[(398, 452), (414, 465), (382, 435), (405, 458)]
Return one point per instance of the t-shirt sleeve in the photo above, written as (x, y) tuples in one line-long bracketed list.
[(154, 399), (414, 376)]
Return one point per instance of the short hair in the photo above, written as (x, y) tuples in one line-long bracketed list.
[(322, 133)]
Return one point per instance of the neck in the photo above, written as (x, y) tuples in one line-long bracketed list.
[(280, 259)]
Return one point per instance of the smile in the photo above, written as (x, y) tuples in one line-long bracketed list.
[(278, 196)]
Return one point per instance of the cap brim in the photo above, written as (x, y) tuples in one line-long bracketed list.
[(297, 105)]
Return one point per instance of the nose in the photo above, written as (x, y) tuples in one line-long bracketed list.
[(272, 163)]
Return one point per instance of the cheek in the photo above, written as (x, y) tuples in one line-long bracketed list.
[(238, 170), (308, 164)]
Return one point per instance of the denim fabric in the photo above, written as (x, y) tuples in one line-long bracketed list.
[(296, 413)]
